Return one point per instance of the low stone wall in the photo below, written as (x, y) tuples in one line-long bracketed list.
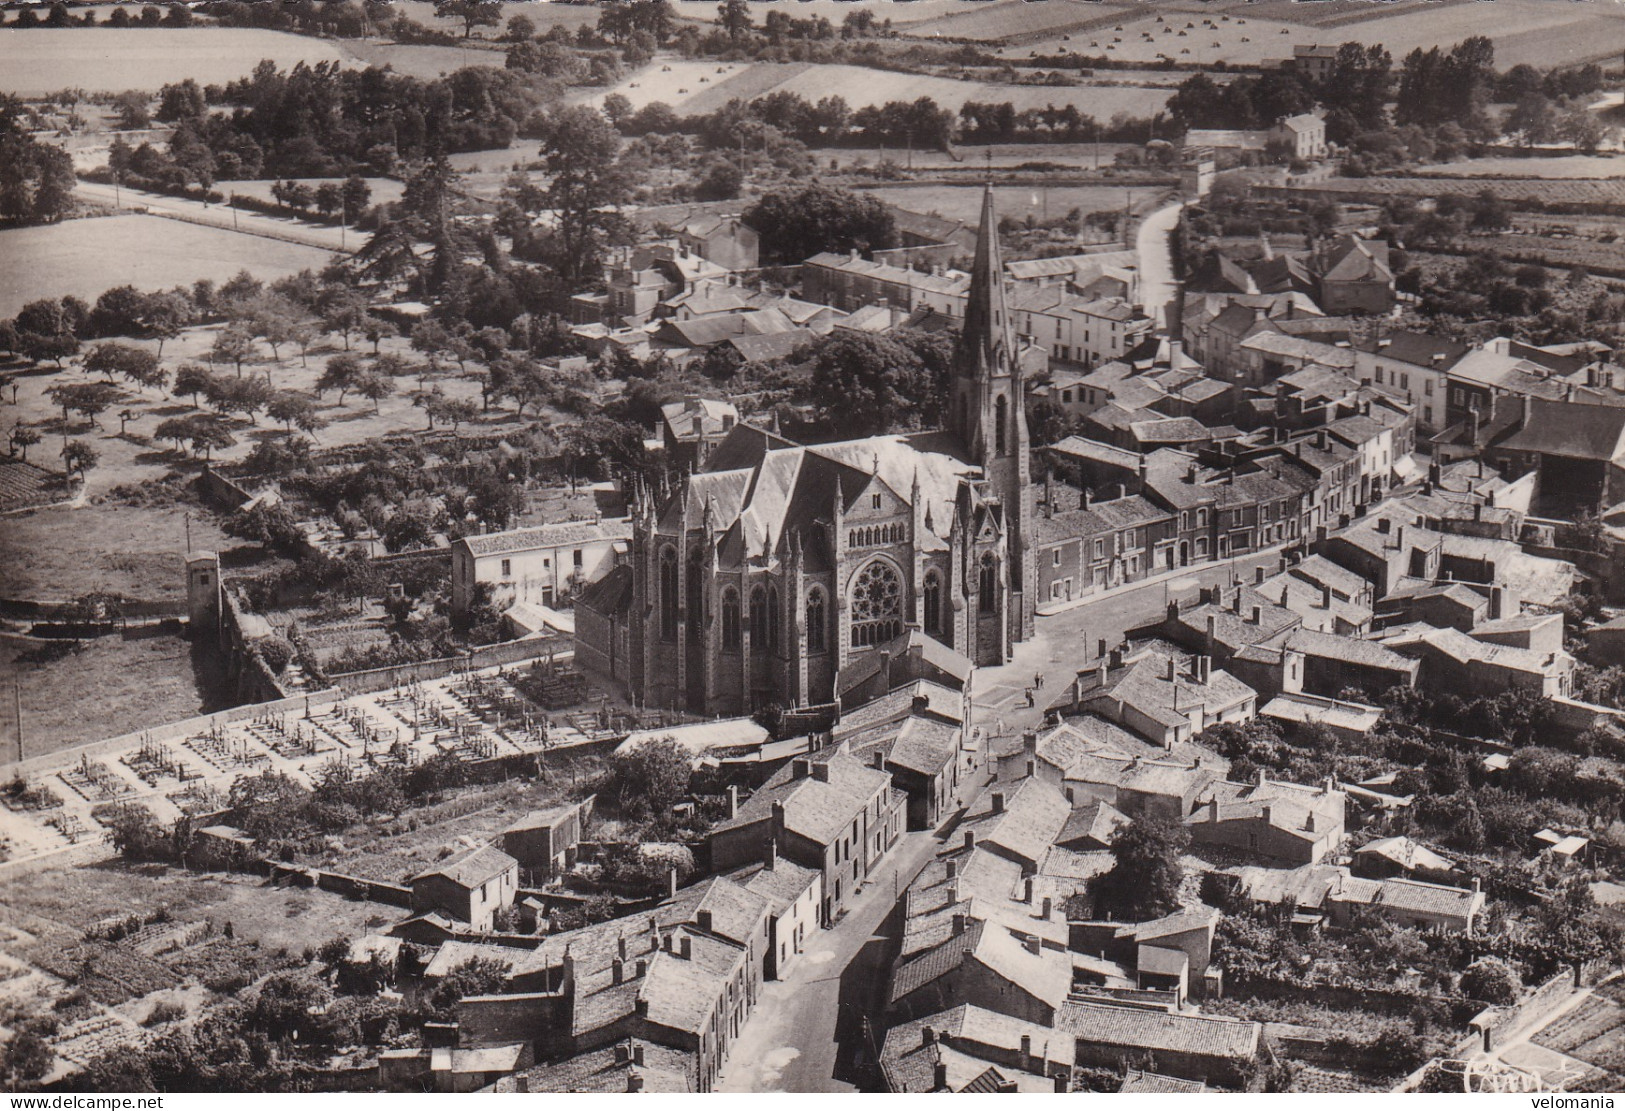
[(489, 655)]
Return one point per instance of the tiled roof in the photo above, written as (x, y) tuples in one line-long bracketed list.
[(781, 885), (1418, 349), (471, 867), (562, 535), (1034, 813), (899, 704), (1407, 895), (1079, 448), (1320, 571), (1405, 852), (1142, 1083), (1305, 709), (1159, 1031), (1352, 650), (935, 962), (602, 1070), (817, 808)]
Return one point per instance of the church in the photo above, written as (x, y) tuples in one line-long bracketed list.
[(781, 569)]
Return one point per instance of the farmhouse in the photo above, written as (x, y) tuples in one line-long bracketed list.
[(471, 886), (545, 566)]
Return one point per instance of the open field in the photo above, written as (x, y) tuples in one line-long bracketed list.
[(696, 87), (113, 59), (62, 552), (110, 686), (1014, 201), (1534, 31), (88, 257), (421, 61), (1581, 166), (1004, 155), (1008, 20), (291, 918)]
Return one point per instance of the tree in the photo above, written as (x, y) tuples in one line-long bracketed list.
[(287, 1004), (457, 410), (289, 408), (79, 458), (89, 400), (204, 431), (133, 115), (22, 438), (233, 345), (136, 835), (870, 384), (797, 225), (473, 13), (329, 198), (650, 778), (342, 374), (587, 181), (521, 28), (193, 380), (25, 1058), (475, 976), (374, 387), (356, 194), (1146, 871), (408, 528), (1491, 980), (377, 330), (734, 16)]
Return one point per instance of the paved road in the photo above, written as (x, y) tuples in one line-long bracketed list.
[(1156, 263), (1067, 641), (222, 216), (790, 1043)]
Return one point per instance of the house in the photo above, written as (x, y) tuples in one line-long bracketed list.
[(1416, 363), (1100, 545), (1192, 1046), (727, 241), (926, 759), (1018, 822), (827, 811), (547, 565), (849, 282), (1578, 452), (1402, 857), (629, 1066), (1285, 822), (1298, 713), (1162, 694), (910, 658), (683, 975), (1320, 608), (982, 964), (1422, 906), (450, 1070), (471, 886), (1314, 60), (1353, 275), (544, 841), (795, 899), (1468, 667), (956, 1050), (1446, 605), (698, 335)]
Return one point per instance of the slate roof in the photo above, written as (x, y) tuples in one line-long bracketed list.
[(708, 331), (1594, 432), (774, 345), (610, 594), (1418, 349)]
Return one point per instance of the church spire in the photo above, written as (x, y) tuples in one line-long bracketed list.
[(986, 339)]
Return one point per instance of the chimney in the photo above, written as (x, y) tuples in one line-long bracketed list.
[(1027, 890), (702, 919), (1026, 1048), (634, 1082), (1088, 497), (1258, 615), (1266, 815), (1173, 672), (1212, 810), (880, 759), (623, 1053), (1258, 576), (939, 1076), (770, 854), (1212, 633), (970, 838), (641, 969), (733, 801), (799, 768), (637, 1053), (620, 947), (820, 771), (686, 951), (1204, 669), (617, 970), (1496, 601), (1034, 945), (1047, 907), (671, 884), (1325, 597), (521, 1084), (1384, 525), (1063, 1083), (928, 1036), (959, 924), (951, 869), (998, 802)]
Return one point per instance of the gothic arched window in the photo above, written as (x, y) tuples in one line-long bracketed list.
[(773, 617), (758, 620), (1001, 417), (877, 604), (668, 594), (933, 602), (730, 620), (987, 590), (817, 640)]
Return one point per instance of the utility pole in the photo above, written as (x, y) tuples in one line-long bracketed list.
[(17, 697), (188, 534)]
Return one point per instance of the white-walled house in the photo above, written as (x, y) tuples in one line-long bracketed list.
[(546, 565)]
